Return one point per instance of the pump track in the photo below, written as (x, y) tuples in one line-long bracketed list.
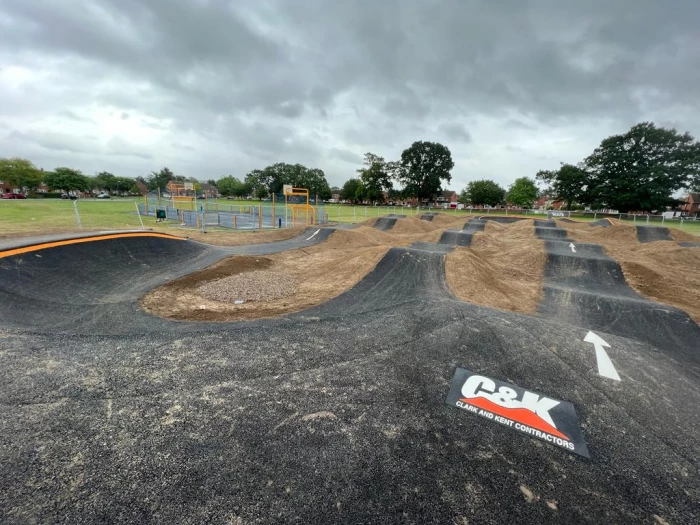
[(336, 414)]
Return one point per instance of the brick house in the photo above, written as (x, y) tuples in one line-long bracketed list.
[(691, 206), (209, 191), (544, 203), (143, 189), (8, 188), (447, 199)]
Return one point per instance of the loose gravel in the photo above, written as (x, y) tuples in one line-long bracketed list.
[(257, 285)]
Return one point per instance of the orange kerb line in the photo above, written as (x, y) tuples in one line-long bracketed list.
[(44, 246)]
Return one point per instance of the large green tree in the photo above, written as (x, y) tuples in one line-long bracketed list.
[(643, 168), (352, 191), (570, 183), (274, 177), (159, 179), (21, 173), (259, 182), (232, 187), (523, 192), (66, 179), (375, 177), (484, 193), (422, 168)]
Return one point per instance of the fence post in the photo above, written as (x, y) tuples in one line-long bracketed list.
[(354, 214)]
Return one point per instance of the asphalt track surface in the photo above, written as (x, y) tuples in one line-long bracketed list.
[(336, 414), (464, 236), (653, 233)]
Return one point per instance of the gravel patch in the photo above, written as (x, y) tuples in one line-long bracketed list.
[(257, 285)]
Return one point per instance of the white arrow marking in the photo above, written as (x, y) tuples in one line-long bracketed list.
[(313, 235), (605, 366), (573, 248)]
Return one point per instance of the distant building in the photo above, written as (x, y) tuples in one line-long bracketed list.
[(545, 203), (691, 206), (209, 191), (447, 199), (143, 189)]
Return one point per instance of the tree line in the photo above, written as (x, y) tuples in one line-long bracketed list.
[(639, 170)]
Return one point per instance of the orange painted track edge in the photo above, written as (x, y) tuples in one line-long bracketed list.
[(65, 242)]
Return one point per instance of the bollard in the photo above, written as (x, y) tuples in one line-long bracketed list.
[(279, 222)]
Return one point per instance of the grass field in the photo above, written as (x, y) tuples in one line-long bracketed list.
[(26, 217)]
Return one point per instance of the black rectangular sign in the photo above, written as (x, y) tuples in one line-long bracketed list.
[(533, 414)]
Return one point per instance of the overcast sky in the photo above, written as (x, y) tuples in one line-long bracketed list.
[(211, 88)]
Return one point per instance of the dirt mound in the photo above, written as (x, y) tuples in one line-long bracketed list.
[(503, 269), (617, 233), (663, 271), (414, 225), (680, 235)]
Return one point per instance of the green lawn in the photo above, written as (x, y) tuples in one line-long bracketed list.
[(34, 216)]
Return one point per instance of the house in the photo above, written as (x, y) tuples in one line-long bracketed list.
[(209, 191), (6, 187), (143, 189), (335, 194), (546, 203), (691, 206), (447, 199)]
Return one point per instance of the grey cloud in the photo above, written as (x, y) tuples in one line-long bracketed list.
[(346, 156), (455, 131), (253, 81)]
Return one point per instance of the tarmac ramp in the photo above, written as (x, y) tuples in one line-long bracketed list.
[(653, 233), (336, 414), (585, 287), (385, 223), (464, 236)]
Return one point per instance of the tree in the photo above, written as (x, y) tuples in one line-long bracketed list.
[(232, 187), (352, 190), (569, 183), (259, 182), (523, 192), (21, 173), (212, 182), (375, 177), (159, 179), (641, 169), (422, 168), (66, 179), (484, 193)]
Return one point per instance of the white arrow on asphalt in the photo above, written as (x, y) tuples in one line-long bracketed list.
[(605, 366), (313, 235), (573, 248)]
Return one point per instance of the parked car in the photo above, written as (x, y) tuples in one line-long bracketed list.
[(71, 197), (13, 196), (103, 196)]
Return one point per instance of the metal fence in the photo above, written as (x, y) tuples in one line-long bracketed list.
[(238, 217), (350, 213)]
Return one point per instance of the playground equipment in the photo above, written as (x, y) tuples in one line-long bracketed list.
[(297, 200)]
